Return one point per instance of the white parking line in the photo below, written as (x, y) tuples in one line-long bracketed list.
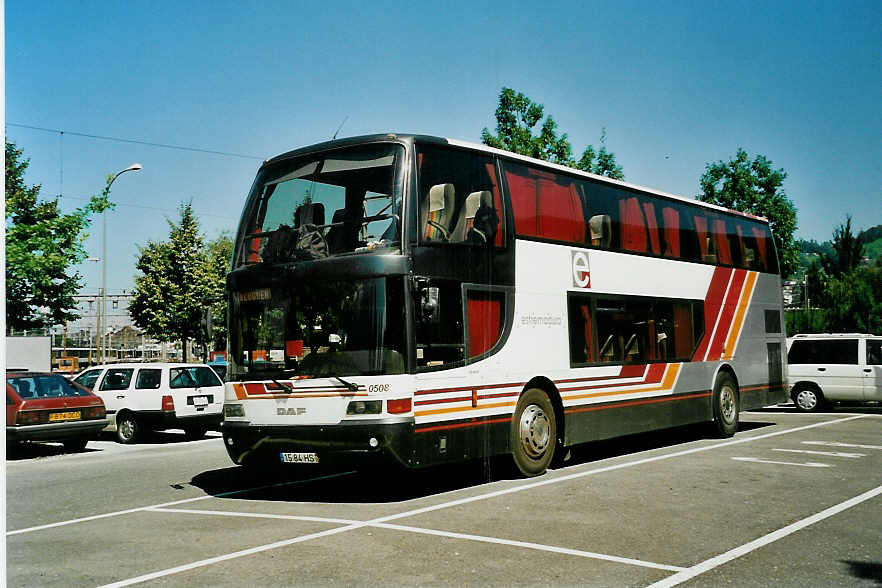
[(837, 444), (452, 503), (830, 453), (808, 464), (249, 515), (479, 538), (537, 546), (724, 558), (164, 504)]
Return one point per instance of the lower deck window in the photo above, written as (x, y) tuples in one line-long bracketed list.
[(632, 330)]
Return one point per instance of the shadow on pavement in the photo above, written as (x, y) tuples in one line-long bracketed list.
[(865, 570), (308, 483), (37, 450), (863, 408)]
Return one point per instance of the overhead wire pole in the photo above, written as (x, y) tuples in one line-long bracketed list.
[(133, 167)]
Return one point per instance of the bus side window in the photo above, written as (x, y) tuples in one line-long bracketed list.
[(581, 330), (459, 199), (439, 326), (671, 223), (634, 235)]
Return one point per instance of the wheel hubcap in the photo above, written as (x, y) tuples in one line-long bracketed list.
[(727, 404), (126, 429), (535, 431), (806, 399)]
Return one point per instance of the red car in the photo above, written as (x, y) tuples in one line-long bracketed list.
[(47, 407)]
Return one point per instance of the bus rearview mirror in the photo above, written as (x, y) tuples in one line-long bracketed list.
[(430, 300)]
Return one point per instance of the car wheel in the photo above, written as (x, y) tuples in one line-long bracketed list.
[(127, 428), (726, 405), (75, 444), (808, 399), (533, 433), (194, 433)]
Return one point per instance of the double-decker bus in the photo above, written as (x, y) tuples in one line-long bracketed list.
[(428, 300)]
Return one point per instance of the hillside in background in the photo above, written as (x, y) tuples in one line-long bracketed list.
[(811, 250)]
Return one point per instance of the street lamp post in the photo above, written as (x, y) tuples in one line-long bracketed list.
[(133, 167)]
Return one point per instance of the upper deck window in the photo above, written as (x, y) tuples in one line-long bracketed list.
[(459, 198), (324, 204)]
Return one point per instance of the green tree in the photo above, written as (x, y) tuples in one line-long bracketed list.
[(516, 118), (219, 252), (602, 162), (516, 115), (175, 284), (855, 302), (42, 245), (847, 251), (756, 188)]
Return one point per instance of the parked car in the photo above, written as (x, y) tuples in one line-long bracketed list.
[(46, 407), (824, 369), (142, 397)]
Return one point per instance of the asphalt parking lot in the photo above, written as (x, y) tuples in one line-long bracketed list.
[(791, 500)]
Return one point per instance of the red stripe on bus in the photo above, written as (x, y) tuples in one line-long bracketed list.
[(442, 400), (653, 376), (463, 425), (481, 423), (627, 371), (713, 300), (726, 315), (639, 402)]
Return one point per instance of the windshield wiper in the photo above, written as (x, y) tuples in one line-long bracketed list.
[(279, 384), (351, 386)]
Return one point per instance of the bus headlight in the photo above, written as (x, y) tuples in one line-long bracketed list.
[(234, 410), (364, 407)]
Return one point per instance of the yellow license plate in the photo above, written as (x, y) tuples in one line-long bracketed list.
[(64, 416)]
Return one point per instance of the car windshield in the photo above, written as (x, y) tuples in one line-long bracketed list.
[(322, 205), (45, 386), (318, 328)]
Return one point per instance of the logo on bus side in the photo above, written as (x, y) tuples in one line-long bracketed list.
[(581, 270)]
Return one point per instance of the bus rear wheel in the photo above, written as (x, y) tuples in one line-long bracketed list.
[(533, 433), (726, 406)]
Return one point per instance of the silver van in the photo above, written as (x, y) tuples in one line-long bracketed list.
[(827, 368)]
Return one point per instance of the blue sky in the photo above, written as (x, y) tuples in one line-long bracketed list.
[(677, 85)]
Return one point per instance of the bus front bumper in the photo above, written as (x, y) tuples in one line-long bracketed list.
[(345, 443)]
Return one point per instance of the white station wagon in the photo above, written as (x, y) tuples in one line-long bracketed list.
[(827, 368), (141, 397)]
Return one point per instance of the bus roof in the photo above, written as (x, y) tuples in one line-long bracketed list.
[(409, 138)]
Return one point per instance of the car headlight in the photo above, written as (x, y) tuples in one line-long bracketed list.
[(364, 407), (234, 410)]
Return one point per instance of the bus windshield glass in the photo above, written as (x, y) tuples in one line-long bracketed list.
[(318, 328), (324, 204)]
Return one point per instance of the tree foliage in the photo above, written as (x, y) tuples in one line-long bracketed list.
[(753, 186), (176, 282), (42, 245), (516, 117), (219, 252), (847, 251)]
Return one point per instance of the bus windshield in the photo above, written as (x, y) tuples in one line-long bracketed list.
[(325, 204), (318, 328)]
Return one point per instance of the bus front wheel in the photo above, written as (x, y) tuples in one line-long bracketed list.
[(726, 406), (533, 433)]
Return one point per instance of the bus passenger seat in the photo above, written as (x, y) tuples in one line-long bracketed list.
[(437, 211), (466, 219)]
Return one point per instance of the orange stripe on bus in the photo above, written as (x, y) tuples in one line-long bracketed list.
[(667, 384), (738, 322), (462, 408), (638, 402)]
